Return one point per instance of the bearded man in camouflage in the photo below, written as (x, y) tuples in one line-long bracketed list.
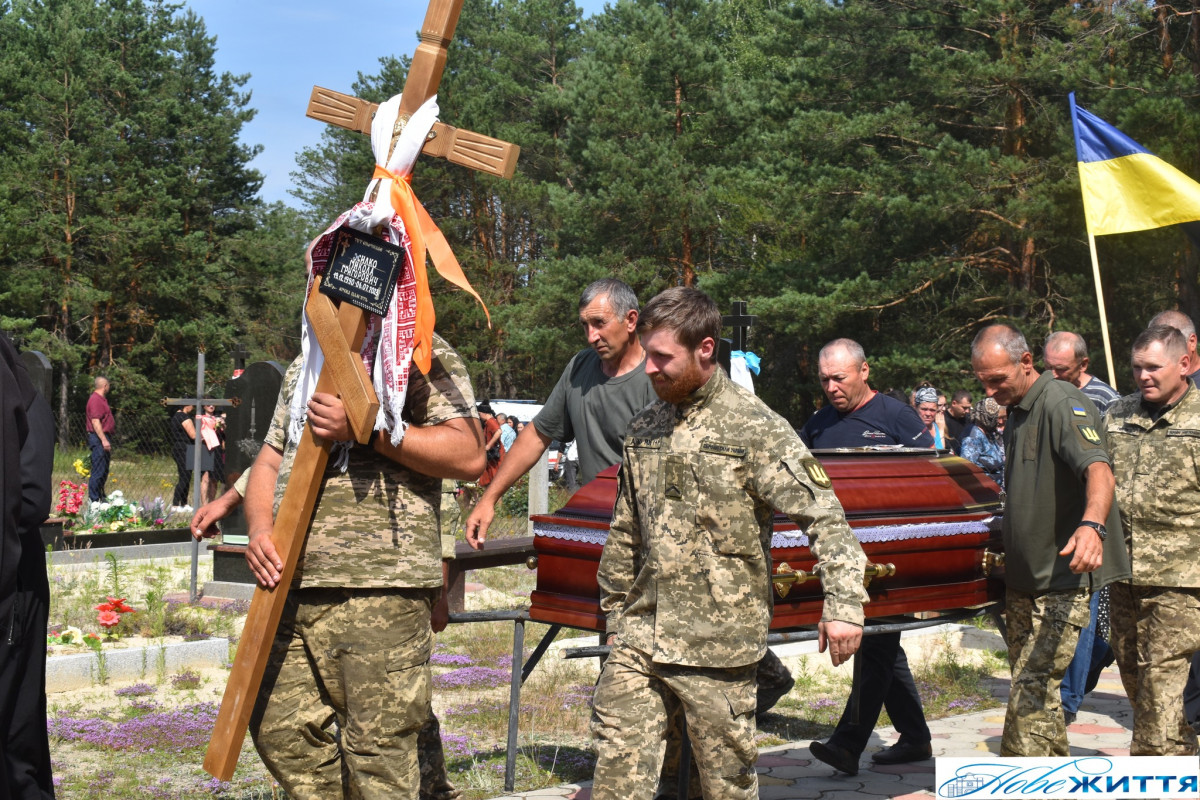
[(1154, 436), (685, 575), (347, 685)]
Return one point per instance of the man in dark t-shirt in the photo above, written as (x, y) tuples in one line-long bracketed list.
[(858, 416)]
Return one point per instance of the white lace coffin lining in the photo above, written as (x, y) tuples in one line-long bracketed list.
[(880, 533)]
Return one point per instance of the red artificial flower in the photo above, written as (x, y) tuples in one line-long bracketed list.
[(108, 619), (118, 604)]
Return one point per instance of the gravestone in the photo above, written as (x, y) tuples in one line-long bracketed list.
[(40, 372), (255, 392)]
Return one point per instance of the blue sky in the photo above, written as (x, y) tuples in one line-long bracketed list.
[(287, 48)]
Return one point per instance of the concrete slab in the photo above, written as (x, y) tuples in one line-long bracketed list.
[(81, 670)]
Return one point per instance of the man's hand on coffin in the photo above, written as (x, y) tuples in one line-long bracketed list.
[(842, 639), (327, 416), (1087, 547)]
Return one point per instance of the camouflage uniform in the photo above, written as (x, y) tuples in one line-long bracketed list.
[(1053, 436), (685, 582), (1156, 617), (347, 686)]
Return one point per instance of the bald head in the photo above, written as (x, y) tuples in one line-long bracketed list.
[(1177, 320), (101, 384)]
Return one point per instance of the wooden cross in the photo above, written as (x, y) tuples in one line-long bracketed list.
[(340, 332)]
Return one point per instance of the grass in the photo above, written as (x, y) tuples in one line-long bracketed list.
[(141, 477)]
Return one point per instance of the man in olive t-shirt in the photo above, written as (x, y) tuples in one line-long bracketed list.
[(1062, 533)]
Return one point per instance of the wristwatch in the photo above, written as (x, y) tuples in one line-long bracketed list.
[(1100, 529)]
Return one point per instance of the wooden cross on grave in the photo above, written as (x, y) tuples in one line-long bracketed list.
[(340, 331)]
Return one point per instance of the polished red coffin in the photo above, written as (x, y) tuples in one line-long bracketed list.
[(934, 517)]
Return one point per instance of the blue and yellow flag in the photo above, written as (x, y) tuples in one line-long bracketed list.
[(1127, 188)]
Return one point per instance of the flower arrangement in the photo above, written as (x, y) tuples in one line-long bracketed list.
[(113, 514), (81, 468)]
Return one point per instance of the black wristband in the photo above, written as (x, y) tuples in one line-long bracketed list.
[(1096, 526)]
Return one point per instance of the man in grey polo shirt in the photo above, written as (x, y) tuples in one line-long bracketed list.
[(601, 389), (1062, 533)]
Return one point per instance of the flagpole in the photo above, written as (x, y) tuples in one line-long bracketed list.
[(1112, 374)]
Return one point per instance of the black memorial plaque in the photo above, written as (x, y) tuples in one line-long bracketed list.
[(362, 270)]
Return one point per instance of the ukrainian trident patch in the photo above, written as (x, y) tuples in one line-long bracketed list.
[(817, 473)]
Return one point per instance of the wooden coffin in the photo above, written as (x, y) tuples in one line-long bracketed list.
[(933, 517)]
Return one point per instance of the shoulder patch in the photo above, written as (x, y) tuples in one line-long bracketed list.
[(1089, 433), (816, 472), (1078, 411), (722, 449)]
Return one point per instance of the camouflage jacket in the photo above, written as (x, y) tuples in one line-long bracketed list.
[(378, 525), (1157, 464), (685, 574)]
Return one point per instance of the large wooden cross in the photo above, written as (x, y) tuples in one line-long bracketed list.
[(340, 331)]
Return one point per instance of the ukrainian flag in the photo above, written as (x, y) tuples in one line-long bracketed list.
[(1127, 188)]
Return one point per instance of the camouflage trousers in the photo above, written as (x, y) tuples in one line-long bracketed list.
[(772, 677), (1043, 630), (345, 692), (1154, 630), (634, 700), (431, 759)]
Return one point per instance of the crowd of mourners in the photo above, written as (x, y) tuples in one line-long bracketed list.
[(1101, 517)]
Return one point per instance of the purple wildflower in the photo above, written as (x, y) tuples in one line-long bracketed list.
[(450, 660), (471, 678), (136, 690)]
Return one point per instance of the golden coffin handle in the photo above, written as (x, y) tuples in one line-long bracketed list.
[(785, 577), (990, 561), (531, 562), (874, 571)]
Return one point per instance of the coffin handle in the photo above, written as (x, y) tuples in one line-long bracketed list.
[(874, 571), (990, 561), (531, 562), (785, 578)]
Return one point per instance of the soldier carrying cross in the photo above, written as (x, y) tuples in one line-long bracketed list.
[(348, 557)]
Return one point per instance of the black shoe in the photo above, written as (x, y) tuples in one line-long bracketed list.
[(767, 699), (903, 752), (839, 758), (1068, 717)]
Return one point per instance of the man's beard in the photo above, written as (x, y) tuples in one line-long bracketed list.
[(676, 390)]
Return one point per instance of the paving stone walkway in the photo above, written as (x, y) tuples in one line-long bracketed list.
[(789, 772)]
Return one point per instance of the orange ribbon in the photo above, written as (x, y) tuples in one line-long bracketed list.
[(425, 236)]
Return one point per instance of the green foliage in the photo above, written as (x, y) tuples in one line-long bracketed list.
[(898, 172), (127, 203)]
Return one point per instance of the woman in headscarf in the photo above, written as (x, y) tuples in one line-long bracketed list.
[(925, 399), (984, 442)]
